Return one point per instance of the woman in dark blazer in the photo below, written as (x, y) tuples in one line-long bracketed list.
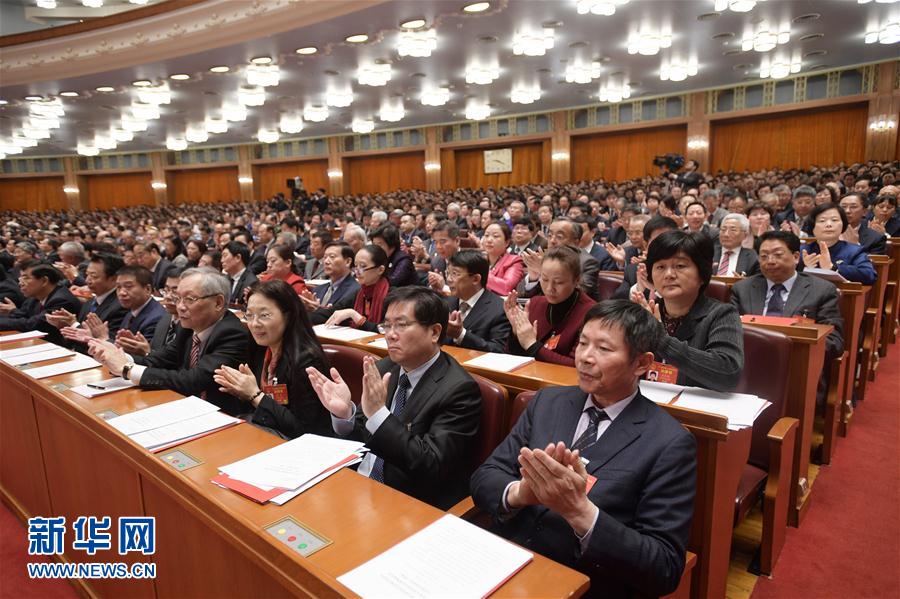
[(550, 329), (704, 338), (849, 260), (366, 309), (277, 384)]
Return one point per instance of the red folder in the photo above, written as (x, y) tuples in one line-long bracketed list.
[(246, 489)]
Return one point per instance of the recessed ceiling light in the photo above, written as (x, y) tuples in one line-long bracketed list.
[(732, 52), (813, 16), (261, 60), (34, 98), (417, 75), (708, 16), (180, 77), (742, 67), (357, 38), (69, 94), (723, 36), (413, 24), (544, 70), (3, 102), (487, 39), (812, 36), (815, 53), (307, 50), (331, 73), (552, 24), (477, 7), (105, 88), (221, 69), (141, 83), (818, 67), (578, 44)]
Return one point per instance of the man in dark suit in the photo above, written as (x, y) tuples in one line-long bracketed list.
[(166, 327), (102, 316), (730, 258), (235, 260), (655, 226), (134, 288), (314, 268), (858, 231), (10, 293), (149, 256), (337, 262), (445, 237), (420, 409), (477, 319), (563, 231), (587, 243), (266, 238), (782, 291), (210, 336), (629, 529), (42, 286), (523, 231)]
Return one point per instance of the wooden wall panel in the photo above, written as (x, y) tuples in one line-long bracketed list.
[(527, 167), (271, 178), (205, 185), (624, 155), (32, 193), (117, 190), (791, 139), (384, 172)]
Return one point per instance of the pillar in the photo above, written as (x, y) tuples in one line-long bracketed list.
[(246, 182), (76, 200), (158, 180), (335, 167), (432, 159), (698, 131), (884, 110), (560, 149)]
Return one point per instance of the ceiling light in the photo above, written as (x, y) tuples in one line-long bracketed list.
[(105, 89), (677, 70), (251, 96), (525, 94), (49, 108), (180, 77), (9, 148), (357, 39), (580, 72), (70, 189), (417, 43), (477, 111), (34, 98), (374, 74), (104, 142), (413, 24), (888, 34), (196, 133), (214, 125), (614, 92), (234, 112), (145, 111), (736, 5), (261, 60), (3, 102), (47, 123), (339, 99), (263, 75), (779, 67), (268, 136), (132, 123), (46, 4), (87, 150), (69, 94), (219, 69), (176, 144), (697, 143), (559, 155), (482, 74), (142, 83), (599, 7), (307, 50), (35, 132), (158, 94), (878, 1), (392, 112), (120, 134), (23, 142), (362, 126), (290, 123), (766, 38), (437, 96), (648, 43), (532, 43), (315, 114), (92, 3), (477, 7)]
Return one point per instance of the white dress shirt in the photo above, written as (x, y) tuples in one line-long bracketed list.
[(788, 285)]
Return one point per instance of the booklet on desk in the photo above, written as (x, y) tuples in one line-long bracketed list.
[(827, 274), (22, 336), (30, 349), (741, 409), (51, 353), (499, 362), (341, 333)]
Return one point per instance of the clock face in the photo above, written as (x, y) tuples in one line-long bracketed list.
[(498, 161)]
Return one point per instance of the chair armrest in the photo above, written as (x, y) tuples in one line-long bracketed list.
[(781, 429), (465, 509)]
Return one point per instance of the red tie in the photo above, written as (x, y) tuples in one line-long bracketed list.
[(195, 357), (723, 263)]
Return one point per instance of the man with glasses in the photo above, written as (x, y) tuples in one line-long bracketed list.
[(477, 319), (420, 410), (134, 290), (101, 316), (166, 328), (210, 336), (337, 262), (563, 231), (730, 258), (42, 286)]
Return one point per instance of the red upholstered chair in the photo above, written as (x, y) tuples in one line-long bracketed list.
[(607, 283), (468, 243), (349, 362), (491, 430), (518, 406), (719, 290), (768, 471)]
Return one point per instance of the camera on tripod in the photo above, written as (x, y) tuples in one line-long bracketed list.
[(669, 162)]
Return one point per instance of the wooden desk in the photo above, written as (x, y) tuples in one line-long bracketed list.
[(721, 456), (891, 298), (853, 309), (59, 458)]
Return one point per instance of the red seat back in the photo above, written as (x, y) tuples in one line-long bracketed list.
[(349, 363), (491, 429)]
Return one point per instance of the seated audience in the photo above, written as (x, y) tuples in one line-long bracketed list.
[(506, 270), (760, 216), (477, 319), (884, 218), (696, 220), (654, 227), (563, 232), (102, 316), (280, 265), (400, 271), (166, 327), (730, 257), (150, 257), (338, 264), (368, 304), (445, 237), (313, 268), (828, 252), (523, 236), (44, 291), (858, 231), (235, 261)]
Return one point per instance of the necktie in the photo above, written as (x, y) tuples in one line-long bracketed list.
[(170, 332), (195, 356), (92, 307), (326, 299), (776, 304), (396, 408), (464, 308), (723, 263), (589, 436)]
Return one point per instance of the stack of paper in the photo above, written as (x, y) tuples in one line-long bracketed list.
[(102, 387), (21, 351), (78, 362), (741, 409), (499, 362), (22, 336), (281, 473), (173, 423), (660, 392), (50, 352), (317, 282), (449, 558), (379, 343), (341, 333)]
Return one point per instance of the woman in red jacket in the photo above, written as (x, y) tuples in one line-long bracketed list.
[(506, 270), (280, 265)]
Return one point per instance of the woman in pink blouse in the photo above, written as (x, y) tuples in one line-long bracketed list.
[(506, 269)]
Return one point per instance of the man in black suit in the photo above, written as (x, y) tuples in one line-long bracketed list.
[(523, 231), (595, 249), (337, 262), (730, 258), (134, 290), (477, 319), (166, 327), (266, 238), (210, 336), (235, 260), (149, 256), (42, 286), (420, 409), (102, 316), (782, 291), (314, 268), (10, 293), (445, 236), (655, 227), (858, 231), (598, 477)]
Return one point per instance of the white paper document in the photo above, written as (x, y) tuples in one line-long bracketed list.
[(740, 409), (449, 558), (292, 464), (827, 274), (51, 353), (317, 282), (102, 387), (78, 362), (161, 415), (500, 362), (22, 336), (381, 343), (31, 349), (185, 429), (288, 495), (341, 333), (659, 392)]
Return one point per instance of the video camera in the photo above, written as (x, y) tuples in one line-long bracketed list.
[(670, 162)]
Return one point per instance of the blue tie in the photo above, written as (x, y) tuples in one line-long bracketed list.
[(776, 304), (93, 305), (396, 408)]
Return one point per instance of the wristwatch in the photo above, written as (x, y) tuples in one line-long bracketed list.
[(126, 370)]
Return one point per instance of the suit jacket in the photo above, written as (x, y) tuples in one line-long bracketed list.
[(427, 448), (347, 288), (506, 274), (145, 321), (513, 249), (400, 271), (708, 346), (30, 315), (852, 262), (872, 242), (629, 278), (110, 311), (602, 257), (246, 279), (568, 331), (159, 275), (486, 325), (314, 269), (810, 296), (258, 260), (170, 367), (159, 334), (747, 262), (10, 289), (645, 465)]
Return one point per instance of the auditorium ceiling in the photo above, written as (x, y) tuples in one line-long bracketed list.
[(512, 57)]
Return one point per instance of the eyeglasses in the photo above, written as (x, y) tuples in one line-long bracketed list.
[(263, 318), (361, 269), (399, 327), (190, 300)]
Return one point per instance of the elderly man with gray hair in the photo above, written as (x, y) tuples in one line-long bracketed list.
[(72, 262), (355, 237), (209, 337), (730, 257)]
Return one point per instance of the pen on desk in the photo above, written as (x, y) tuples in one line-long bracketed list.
[(100, 387)]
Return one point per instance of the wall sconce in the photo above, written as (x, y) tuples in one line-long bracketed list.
[(882, 123), (432, 166), (334, 173), (70, 189), (245, 180), (697, 143), (559, 156), (158, 185)]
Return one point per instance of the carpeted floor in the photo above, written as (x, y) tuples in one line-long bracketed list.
[(849, 544), (14, 581)]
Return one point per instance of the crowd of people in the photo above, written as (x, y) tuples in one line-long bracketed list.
[(151, 292)]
